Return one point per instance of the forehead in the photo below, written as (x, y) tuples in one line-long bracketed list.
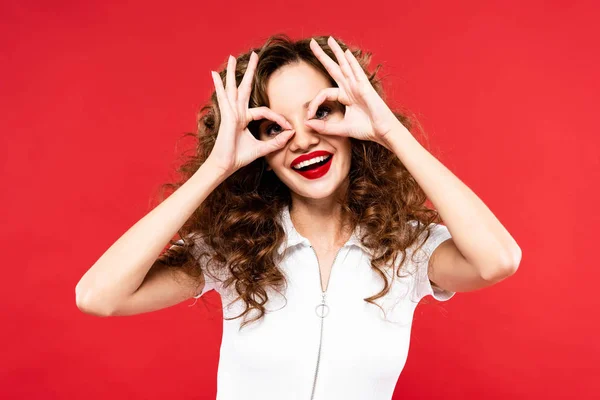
[(293, 85)]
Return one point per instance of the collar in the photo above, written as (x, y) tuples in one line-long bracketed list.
[(293, 238)]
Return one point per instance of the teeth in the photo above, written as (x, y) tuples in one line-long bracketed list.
[(309, 162)]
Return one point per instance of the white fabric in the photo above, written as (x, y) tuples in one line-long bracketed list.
[(362, 354)]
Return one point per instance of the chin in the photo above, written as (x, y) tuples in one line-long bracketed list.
[(317, 190), (313, 194)]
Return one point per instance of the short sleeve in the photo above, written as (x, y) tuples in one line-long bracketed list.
[(209, 282), (422, 284)]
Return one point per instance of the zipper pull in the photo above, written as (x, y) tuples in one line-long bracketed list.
[(322, 309)]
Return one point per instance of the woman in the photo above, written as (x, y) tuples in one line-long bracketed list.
[(304, 209)]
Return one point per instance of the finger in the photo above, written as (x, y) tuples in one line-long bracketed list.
[(230, 84), (220, 90), (327, 128), (265, 112), (331, 66), (330, 94), (278, 142), (359, 73), (339, 54), (246, 85)]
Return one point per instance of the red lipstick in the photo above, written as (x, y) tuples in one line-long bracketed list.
[(308, 156), (314, 172)]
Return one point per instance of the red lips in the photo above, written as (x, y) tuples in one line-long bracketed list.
[(308, 156)]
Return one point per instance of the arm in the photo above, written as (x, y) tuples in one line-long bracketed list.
[(122, 282), (481, 251)]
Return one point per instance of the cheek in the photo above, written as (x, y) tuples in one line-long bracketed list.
[(345, 148), (273, 161), (348, 156)]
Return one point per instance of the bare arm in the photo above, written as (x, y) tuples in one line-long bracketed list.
[(128, 279), (110, 286)]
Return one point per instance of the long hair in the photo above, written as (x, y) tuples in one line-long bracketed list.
[(234, 234)]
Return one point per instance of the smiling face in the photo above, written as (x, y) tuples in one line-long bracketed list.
[(289, 90)]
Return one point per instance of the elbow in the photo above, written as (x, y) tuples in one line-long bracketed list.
[(512, 261), (508, 266), (85, 302)]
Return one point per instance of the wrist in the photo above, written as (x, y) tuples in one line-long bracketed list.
[(212, 169), (396, 131)]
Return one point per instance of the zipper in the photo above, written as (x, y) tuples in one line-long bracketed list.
[(322, 309)]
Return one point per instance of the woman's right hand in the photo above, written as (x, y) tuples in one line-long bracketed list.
[(235, 146)]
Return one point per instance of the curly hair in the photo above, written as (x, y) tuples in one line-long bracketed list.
[(238, 222)]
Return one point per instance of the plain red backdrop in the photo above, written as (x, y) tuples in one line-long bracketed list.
[(94, 96)]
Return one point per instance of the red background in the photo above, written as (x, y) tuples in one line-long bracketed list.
[(95, 94)]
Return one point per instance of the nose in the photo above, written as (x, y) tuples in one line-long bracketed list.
[(305, 137)]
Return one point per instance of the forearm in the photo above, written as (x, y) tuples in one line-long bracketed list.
[(477, 233), (122, 268)]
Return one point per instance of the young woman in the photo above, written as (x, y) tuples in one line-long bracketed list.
[(304, 209)]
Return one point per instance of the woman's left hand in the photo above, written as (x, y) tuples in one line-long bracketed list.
[(367, 117)]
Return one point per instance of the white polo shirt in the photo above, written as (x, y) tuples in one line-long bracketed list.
[(361, 353)]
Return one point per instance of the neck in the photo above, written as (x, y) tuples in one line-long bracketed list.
[(322, 224)]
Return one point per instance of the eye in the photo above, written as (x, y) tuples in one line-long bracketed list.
[(326, 109), (269, 129), (322, 112)]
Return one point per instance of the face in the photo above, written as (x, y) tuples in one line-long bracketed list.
[(289, 90)]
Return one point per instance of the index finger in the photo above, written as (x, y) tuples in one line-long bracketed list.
[(331, 66), (246, 84)]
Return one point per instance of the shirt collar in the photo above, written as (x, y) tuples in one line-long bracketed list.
[(292, 237)]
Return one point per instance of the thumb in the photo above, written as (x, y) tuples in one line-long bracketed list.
[(276, 143)]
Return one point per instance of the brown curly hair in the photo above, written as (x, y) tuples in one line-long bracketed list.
[(238, 224)]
